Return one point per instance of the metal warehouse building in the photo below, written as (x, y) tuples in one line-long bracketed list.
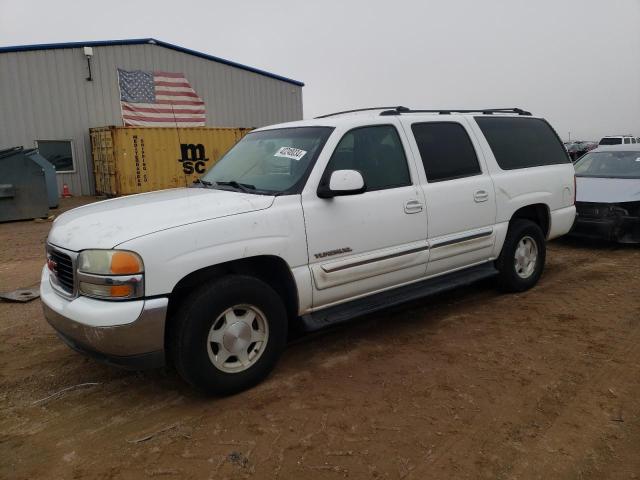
[(46, 99)]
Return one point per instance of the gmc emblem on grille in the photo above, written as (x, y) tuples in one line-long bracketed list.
[(52, 264)]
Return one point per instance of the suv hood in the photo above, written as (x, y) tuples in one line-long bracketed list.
[(111, 222), (607, 190)]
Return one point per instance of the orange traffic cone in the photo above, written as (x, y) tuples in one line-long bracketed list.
[(65, 191)]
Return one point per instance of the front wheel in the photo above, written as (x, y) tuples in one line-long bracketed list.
[(521, 261), (228, 335)]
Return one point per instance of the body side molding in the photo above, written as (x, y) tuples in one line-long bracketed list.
[(357, 263), (444, 243)]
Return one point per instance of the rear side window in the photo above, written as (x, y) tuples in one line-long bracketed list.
[(627, 140), (446, 151), (377, 153), (519, 142)]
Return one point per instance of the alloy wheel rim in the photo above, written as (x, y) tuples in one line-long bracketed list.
[(526, 257), (237, 338)]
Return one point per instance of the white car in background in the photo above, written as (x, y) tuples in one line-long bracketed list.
[(618, 140), (305, 225)]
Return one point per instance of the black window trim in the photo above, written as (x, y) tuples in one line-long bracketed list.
[(455, 177), (555, 134), (324, 179)]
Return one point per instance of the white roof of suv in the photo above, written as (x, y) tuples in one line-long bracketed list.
[(355, 117), (624, 139)]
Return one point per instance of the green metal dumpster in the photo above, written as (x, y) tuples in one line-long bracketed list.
[(49, 176), (23, 190)]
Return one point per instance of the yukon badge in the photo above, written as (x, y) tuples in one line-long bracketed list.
[(331, 253)]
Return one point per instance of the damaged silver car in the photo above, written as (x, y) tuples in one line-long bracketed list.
[(608, 194)]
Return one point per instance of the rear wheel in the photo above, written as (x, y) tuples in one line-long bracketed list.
[(522, 259), (229, 334)]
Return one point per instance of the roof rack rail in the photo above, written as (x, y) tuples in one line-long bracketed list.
[(442, 111), (368, 109), (447, 111)]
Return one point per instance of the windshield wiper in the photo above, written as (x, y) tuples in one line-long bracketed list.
[(245, 187), (206, 183)]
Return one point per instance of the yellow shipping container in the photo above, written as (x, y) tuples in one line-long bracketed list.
[(130, 160)]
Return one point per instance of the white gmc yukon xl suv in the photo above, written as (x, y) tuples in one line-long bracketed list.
[(304, 225)]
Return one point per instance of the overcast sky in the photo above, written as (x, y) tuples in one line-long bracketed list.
[(576, 62)]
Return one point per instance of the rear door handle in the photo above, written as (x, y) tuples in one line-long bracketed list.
[(413, 206), (481, 196)]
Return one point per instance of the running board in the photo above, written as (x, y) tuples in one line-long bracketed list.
[(347, 311)]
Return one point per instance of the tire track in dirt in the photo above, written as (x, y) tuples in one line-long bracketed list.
[(566, 448), (572, 382)]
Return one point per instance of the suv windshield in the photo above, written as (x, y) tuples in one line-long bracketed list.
[(269, 161), (625, 164), (611, 141)]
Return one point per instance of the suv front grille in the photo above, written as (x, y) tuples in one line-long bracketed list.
[(63, 270)]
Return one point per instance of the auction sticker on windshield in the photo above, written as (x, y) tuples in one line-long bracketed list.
[(290, 152)]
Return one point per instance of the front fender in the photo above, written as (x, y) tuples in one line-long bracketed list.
[(172, 254)]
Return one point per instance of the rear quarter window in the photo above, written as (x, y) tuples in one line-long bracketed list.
[(519, 142)]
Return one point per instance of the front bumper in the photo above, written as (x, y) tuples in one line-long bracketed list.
[(621, 229), (128, 334)]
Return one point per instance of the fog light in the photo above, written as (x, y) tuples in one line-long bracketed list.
[(95, 290), (106, 291)]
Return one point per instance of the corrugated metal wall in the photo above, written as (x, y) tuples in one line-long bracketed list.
[(44, 96)]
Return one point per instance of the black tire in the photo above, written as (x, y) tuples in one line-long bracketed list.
[(509, 280), (195, 317)]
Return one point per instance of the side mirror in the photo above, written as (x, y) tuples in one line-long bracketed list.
[(341, 183)]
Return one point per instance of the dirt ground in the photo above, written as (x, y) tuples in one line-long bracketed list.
[(470, 384)]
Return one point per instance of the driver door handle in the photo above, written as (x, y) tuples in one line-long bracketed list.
[(413, 206)]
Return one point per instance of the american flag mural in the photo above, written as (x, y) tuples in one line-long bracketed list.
[(159, 99)]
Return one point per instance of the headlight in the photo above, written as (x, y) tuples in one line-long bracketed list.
[(110, 274)]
